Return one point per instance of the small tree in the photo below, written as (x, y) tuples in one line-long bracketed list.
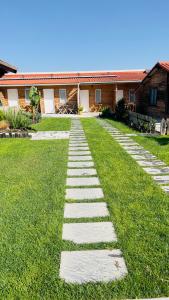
[(34, 96)]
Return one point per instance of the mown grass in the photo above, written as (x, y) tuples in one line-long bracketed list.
[(157, 145), (47, 124), (32, 188), (140, 213)]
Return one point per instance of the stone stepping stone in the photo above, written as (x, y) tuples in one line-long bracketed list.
[(87, 233), (124, 143), (144, 163), (73, 136), (132, 147), (137, 152), (142, 157), (155, 171), (79, 153), (92, 266), (81, 172), (131, 134), (82, 181), (77, 139), (78, 148), (84, 193), (123, 139), (85, 210), (165, 188), (80, 164), (161, 179), (77, 144), (80, 158)]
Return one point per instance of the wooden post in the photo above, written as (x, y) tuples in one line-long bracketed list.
[(163, 127), (167, 123), (78, 95)]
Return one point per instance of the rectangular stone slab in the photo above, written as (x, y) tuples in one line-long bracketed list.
[(124, 143), (80, 164), (80, 158), (153, 163), (84, 193), (142, 157), (75, 153), (122, 138), (165, 188), (87, 266), (77, 144), (82, 181), (154, 171), (81, 172), (161, 179), (87, 233), (137, 152), (85, 210), (132, 147), (78, 148), (78, 139)]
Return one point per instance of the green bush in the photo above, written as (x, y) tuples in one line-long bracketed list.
[(121, 111), (17, 119), (1, 115), (106, 112)]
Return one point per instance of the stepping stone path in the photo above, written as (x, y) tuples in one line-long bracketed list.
[(144, 158), (84, 190)]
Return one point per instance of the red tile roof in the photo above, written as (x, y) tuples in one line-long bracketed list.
[(164, 65), (27, 79)]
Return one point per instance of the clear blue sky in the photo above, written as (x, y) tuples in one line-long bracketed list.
[(67, 35)]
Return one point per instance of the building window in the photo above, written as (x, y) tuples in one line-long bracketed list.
[(62, 96), (153, 96), (98, 96), (131, 96), (27, 100), (119, 95)]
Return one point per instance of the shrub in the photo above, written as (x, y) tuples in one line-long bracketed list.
[(106, 112), (1, 115), (17, 119), (4, 125), (121, 111)]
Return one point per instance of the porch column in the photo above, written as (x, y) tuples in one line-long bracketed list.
[(116, 89), (78, 95)]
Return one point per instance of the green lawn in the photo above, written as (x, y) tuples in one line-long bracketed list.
[(32, 187), (53, 124)]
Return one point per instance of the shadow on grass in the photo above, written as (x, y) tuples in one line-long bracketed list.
[(161, 140)]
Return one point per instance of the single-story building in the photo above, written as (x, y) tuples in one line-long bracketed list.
[(152, 95), (91, 90)]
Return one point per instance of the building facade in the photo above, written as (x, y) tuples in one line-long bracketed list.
[(91, 90), (152, 95)]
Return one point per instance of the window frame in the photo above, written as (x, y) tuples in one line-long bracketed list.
[(152, 100), (131, 92), (100, 91), (60, 96), (27, 100)]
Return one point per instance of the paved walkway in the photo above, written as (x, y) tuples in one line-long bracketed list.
[(72, 116), (87, 201), (49, 135), (150, 163)]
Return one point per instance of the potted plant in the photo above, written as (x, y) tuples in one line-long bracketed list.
[(80, 109)]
